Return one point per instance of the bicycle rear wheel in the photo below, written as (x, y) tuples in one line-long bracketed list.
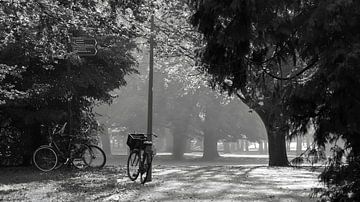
[(80, 155), (45, 158), (133, 165), (145, 170), (98, 157)]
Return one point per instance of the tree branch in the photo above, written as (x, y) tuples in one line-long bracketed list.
[(309, 66)]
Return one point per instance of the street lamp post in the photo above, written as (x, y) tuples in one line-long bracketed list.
[(150, 92)]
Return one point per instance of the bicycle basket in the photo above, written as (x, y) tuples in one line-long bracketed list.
[(134, 141)]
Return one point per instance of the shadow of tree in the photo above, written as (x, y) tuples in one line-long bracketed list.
[(226, 183), (16, 175), (170, 182)]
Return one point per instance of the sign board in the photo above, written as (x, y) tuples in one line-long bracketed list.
[(84, 46)]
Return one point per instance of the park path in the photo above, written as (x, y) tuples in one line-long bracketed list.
[(170, 183), (224, 183)]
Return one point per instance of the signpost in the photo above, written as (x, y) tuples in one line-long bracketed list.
[(84, 46)]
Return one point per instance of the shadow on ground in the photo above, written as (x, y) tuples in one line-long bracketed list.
[(177, 182), (230, 183)]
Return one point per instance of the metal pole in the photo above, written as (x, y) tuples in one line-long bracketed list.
[(69, 99), (150, 93)]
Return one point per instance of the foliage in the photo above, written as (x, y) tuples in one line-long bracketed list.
[(42, 79), (247, 49), (181, 96), (333, 88), (311, 155), (10, 146), (321, 40)]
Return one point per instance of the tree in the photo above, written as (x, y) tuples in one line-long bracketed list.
[(53, 83), (322, 39), (247, 45), (182, 110), (179, 81), (328, 98)]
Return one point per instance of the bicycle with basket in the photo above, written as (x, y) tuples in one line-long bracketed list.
[(140, 157)]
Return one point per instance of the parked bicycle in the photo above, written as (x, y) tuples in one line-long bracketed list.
[(140, 157), (51, 156), (98, 157)]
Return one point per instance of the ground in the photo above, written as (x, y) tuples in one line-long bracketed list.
[(227, 179)]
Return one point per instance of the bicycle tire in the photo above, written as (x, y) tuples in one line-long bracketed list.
[(45, 158), (144, 172), (98, 157), (80, 155), (133, 165)]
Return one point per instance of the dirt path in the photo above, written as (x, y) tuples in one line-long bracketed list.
[(171, 183)]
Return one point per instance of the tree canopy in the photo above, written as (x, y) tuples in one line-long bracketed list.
[(42, 78), (320, 38)]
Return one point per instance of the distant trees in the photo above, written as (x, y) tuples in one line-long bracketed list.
[(185, 112), (177, 43)]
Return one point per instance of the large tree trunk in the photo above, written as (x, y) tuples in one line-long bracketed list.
[(276, 139), (266, 150), (287, 145), (168, 140), (277, 149), (210, 146), (240, 145), (188, 145), (226, 147), (246, 145), (261, 146), (298, 146), (179, 146)]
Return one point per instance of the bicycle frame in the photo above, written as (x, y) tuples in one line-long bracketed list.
[(54, 145)]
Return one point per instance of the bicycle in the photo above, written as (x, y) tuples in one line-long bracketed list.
[(98, 157), (140, 157), (97, 154), (50, 157)]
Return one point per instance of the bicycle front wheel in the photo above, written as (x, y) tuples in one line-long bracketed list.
[(133, 164), (80, 155), (145, 170), (98, 157), (45, 158)]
